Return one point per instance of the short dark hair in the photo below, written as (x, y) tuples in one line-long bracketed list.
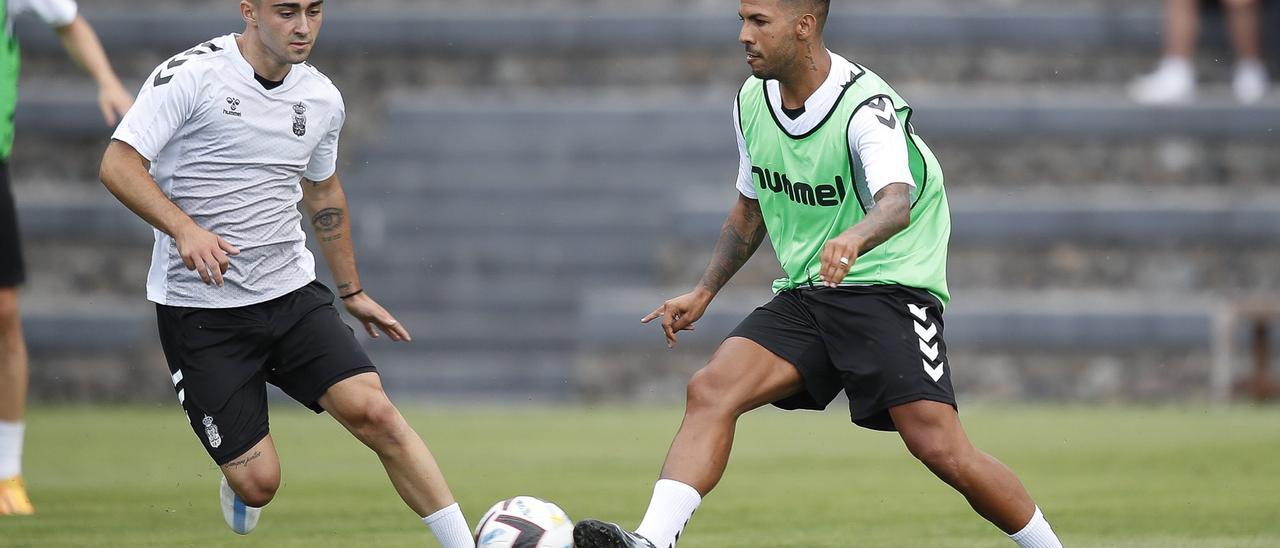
[(818, 8)]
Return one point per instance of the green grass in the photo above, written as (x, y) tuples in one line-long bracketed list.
[(1106, 477)]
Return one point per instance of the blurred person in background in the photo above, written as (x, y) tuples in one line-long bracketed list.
[(80, 41), (1174, 79), (854, 204), (228, 138)]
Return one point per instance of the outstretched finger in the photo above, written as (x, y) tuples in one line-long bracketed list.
[(657, 313), (368, 328)]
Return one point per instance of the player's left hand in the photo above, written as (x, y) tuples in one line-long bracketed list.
[(114, 101), (372, 315), (838, 255)]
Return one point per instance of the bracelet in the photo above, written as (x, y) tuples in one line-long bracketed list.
[(351, 294)]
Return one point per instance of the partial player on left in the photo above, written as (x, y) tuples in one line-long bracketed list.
[(83, 46)]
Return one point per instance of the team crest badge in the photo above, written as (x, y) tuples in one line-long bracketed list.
[(299, 120), (211, 432)]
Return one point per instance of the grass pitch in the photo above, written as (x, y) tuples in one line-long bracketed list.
[(1109, 477)]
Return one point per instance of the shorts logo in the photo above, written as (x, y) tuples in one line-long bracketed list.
[(299, 121), (928, 347), (211, 432)]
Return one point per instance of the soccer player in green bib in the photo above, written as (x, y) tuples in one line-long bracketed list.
[(81, 42), (853, 202)]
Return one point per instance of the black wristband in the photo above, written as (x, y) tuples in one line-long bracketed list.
[(351, 294)]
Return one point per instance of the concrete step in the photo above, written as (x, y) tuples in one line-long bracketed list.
[(574, 28), (500, 331), (475, 376), (72, 324), (490, 6), (1105, 215), (1050, 321), (534, 257)]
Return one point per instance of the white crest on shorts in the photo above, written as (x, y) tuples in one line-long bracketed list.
[(211, 432)]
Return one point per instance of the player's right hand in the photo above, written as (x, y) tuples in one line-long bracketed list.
[(204, 252), (678, 314)]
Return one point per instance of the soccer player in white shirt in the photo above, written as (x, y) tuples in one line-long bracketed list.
[(82, 44), (225, 141)]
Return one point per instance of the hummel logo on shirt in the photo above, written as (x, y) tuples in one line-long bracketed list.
[(233, 103)]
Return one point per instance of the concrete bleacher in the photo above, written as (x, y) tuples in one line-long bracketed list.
[(525, 185)]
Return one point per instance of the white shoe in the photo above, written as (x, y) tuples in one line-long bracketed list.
[(1173, 82), (1250, 82), (240, 517)]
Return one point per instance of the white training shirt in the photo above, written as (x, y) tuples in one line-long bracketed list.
[(231, 154), (881, 150), (55, 13)]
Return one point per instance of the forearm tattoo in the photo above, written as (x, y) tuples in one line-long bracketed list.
[(328, 219), (890, 215), (739, 239)]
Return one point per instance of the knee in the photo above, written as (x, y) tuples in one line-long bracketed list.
[(377, 422), (944, 458), (258, 489), (259, 495), (707, 393)]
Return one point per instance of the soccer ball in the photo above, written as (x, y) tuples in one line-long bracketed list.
[(524, 522)]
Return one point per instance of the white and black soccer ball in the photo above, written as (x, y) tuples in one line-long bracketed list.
[(524, 522)]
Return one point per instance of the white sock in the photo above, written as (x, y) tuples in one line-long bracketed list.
[(11, 448), (669, 511), (450, 528), (1179, 65), (1036, 534)]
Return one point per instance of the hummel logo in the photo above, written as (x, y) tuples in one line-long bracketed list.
[(929, 350), (917, 311), (926, 334), (882, 105), (935, 373), (927, 331), (233, 103)]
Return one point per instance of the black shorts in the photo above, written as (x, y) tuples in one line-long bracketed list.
[(220, 360), (12, 273), (881, 344)]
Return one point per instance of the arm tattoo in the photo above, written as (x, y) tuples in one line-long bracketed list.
[(343, 288), (890, 215), (328, 219), (246, 460), (742, 234)]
